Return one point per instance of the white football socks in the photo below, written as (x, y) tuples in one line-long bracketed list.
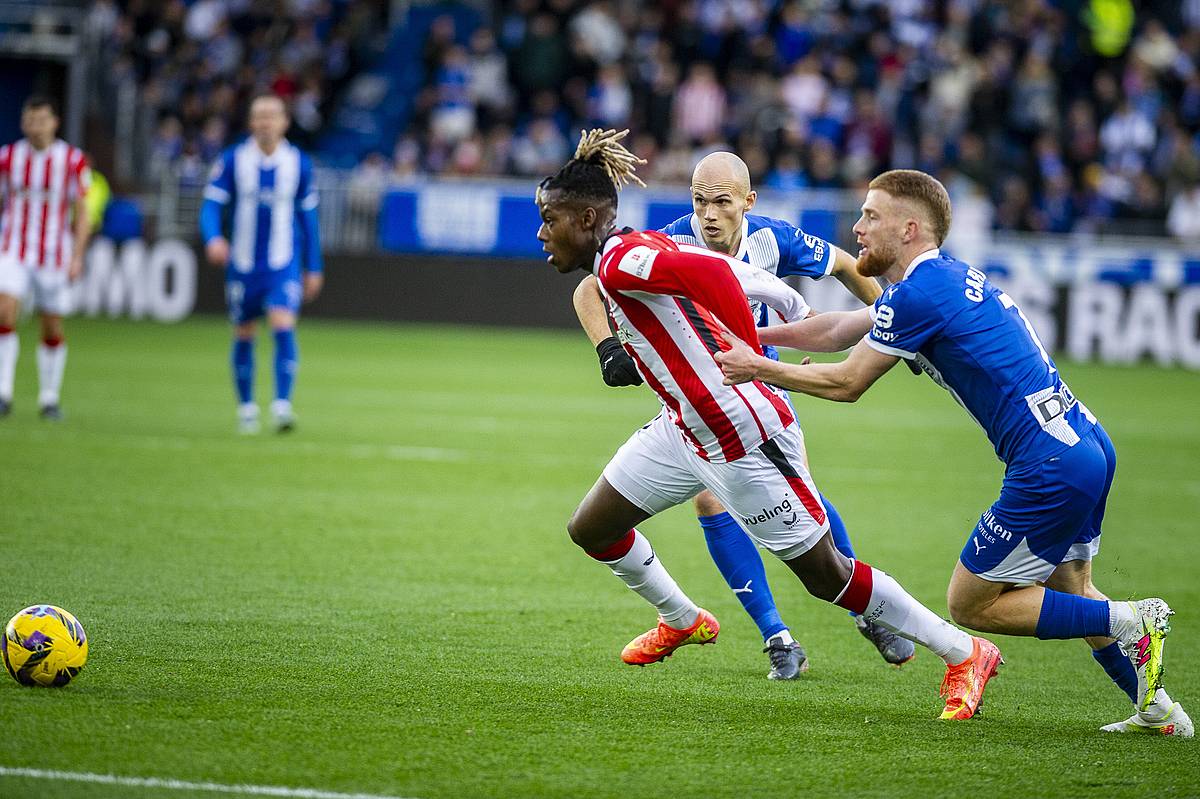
[(9, 349), (51, 363), (892, 607), (1124, 622), (785, 635), (643, 572)]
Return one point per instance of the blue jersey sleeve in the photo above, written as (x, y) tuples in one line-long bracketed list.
[(306, 218), (680, 227), (905, 319), (217, 194), (803, 254)]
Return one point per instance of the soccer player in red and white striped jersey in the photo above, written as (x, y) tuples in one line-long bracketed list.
[(43, 234), (670, 305), (669, 296)]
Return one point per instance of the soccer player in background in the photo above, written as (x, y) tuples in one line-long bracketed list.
[(722, 198), (43, 238), (1026, 567), (273, 222), (667, 300)]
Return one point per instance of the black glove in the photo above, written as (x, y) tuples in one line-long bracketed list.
[(616, 365)]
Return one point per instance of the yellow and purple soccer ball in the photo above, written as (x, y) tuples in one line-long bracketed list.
[(44, 645)]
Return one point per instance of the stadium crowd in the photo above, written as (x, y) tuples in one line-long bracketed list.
[(1069, 115), (198, 63)]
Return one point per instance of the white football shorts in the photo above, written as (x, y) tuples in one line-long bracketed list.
[(51, 291), (768, 491)]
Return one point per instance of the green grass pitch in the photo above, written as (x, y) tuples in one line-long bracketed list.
[(386, 601)]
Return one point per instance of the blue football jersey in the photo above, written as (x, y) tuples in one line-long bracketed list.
[(773, 245), (973, 340), (273, 203)]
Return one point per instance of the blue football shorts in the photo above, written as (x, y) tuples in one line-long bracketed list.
[(1046, 514), (250, 295)]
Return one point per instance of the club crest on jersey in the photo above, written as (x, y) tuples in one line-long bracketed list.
[(638, 261)]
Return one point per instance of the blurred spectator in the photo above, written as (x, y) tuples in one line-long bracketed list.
[(699, 107), (453, 116), (166, 147), (805, 88), (610, 101), (1183, 220), (541, 151), (364, 192), (788, 174), (211, 140), (203, 19), (487, 86), (1055, 211), (540, 62), (596, 34), (1034, 103), (1127, 138), (406, 163)]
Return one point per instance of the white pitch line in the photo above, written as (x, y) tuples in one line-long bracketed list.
[(182, 785)]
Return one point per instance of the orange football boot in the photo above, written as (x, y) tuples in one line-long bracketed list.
[(963, 684), (655, 645)]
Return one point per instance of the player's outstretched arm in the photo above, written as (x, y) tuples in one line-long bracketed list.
[(616, 367), (844, 381), (865, 288), (762, 286), (833, 331)]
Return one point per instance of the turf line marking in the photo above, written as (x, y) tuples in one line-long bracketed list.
[(181, 785)]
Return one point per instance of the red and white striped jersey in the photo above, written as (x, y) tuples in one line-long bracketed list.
[(40, 187), (664, 299)]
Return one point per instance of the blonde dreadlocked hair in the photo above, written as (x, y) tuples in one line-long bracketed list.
[(600, 168)]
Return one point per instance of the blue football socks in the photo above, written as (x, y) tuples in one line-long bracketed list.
[(1071, 616), (1118, 667), (243, 369), (837, 528), (738, 561), (285, 363)]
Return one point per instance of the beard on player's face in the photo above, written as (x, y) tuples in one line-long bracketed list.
[(877, 260)]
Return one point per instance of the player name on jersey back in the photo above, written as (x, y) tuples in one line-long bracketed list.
[(973, 340)]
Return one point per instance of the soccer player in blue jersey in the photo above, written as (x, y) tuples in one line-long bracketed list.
[(267, 185), (1026, 566), (722, 198)]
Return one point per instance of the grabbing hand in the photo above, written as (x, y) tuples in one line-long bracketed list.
[(740, 361)]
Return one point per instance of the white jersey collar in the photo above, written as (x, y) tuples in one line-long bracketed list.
[(53, 143), (612, 241), (928, 255), (280, 149)]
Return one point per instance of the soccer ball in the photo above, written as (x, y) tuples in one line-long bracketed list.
[(44, 645)]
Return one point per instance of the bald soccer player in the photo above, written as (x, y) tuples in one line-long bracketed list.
[(722, 198)]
